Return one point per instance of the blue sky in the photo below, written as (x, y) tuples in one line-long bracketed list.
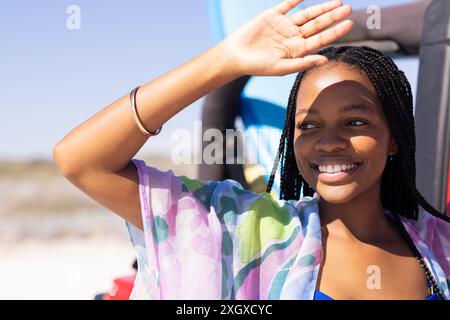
[(52, 79)]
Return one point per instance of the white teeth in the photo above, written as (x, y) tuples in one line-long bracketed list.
[(336, 168)]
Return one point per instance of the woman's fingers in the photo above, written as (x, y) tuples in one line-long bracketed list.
[(287, 6), (314, 43), (327, 37), (324, 21), (303, 16)]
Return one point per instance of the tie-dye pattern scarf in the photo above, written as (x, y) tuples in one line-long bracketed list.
[(215, 240)]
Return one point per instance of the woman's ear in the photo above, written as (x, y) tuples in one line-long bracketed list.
[(393, 148)]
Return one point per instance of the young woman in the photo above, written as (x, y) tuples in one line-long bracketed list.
[(222, 106), (348, 145)]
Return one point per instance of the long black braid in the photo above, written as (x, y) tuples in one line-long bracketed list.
[(399, 193)]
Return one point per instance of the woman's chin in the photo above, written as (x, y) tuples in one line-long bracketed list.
[(336, 194)]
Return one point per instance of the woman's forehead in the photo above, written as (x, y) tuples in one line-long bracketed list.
[(335, 81)]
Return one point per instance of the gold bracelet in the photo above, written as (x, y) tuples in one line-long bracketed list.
[(136, 116)]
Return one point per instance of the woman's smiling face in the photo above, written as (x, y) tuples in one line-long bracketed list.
[(342, 138)]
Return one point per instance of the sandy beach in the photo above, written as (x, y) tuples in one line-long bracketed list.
[(57, 257), (65, 269), (55, 242)]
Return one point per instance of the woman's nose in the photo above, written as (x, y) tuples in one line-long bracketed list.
[(331, 141)]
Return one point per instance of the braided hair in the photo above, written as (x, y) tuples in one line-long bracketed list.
[(398, 183)]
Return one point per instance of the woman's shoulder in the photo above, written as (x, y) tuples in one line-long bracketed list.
[(431, 230), (432, 235), (428, 226)]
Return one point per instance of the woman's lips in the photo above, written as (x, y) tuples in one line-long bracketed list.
[(338, 177)]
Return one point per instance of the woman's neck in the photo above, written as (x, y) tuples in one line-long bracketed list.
[(361, 219)]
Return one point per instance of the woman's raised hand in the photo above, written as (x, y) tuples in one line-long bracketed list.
[(274, 44)]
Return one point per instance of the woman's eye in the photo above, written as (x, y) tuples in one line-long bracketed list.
[(356, 123), (305, 126)]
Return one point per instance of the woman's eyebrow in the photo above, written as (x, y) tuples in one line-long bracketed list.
[(357, 106), (306, 111), (347, 108)]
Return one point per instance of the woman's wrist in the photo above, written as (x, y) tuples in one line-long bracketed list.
[(228, 61)]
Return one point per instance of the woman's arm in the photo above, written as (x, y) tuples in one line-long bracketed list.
[(96, 155), (110, 139)]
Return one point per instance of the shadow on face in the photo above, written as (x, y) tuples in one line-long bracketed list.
[(342, 138)]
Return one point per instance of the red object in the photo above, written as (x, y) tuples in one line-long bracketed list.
[(121, 289), (448, 188)]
